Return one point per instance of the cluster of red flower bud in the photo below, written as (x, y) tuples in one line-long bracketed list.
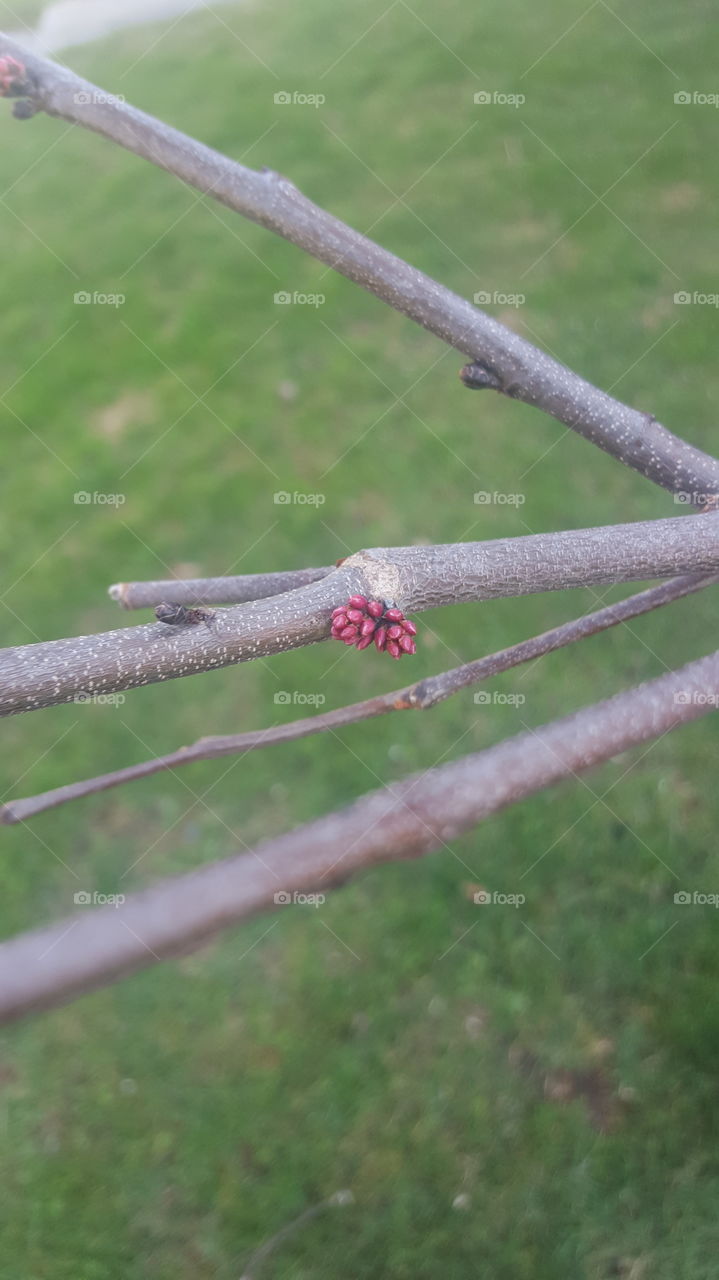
[(362, 621), (12, 74)]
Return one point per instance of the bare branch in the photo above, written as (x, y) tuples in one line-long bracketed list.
[(51, 965), (415, 578), (505, 361), (415, 697), (235, 590)]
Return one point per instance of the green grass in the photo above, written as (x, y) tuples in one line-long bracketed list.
[(399, 1042)]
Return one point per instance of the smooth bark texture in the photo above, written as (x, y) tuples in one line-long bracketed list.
[(424, 812), (190, 591), (513, 365), (415, 697), (415, 578)]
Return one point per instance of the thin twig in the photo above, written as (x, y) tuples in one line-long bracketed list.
[(420, 696), (340, 1199), (415, 578), (233, 590), (506, 361), (94, 947)]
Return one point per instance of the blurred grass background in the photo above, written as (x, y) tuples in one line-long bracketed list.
[(552, 1066)]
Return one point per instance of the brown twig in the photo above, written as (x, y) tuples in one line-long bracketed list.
[(92, 948), (415, 578), (508, 362), (420, 696)]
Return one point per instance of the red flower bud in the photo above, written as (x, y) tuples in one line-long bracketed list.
[(12, 74), (361, 621)]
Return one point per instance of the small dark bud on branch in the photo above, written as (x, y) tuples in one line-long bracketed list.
[(477, 378), (177, 615)]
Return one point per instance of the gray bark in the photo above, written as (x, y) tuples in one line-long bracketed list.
[(415, 578), (513, 365), (48, 966)]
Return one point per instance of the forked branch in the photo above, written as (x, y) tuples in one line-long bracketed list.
[(420, 697), (415, 578)]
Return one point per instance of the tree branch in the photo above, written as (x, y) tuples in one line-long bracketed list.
[(51, 965), (506, 361), (415, 578), (236, 590), (420, 696)]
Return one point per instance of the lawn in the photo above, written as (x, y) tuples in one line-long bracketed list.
[(527, 1093)]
